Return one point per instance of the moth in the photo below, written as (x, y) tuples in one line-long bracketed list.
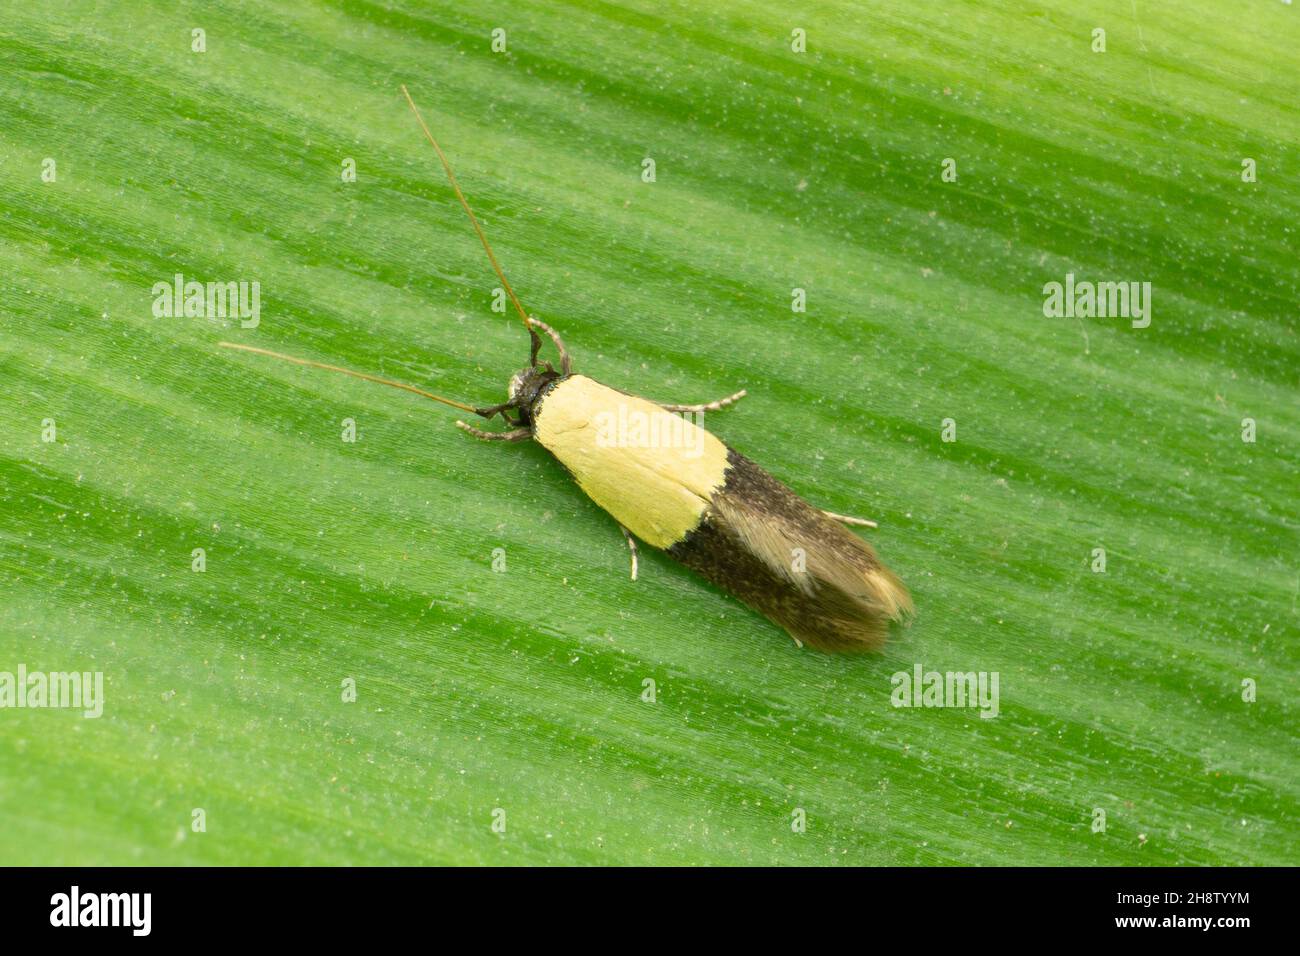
[(690, 495)]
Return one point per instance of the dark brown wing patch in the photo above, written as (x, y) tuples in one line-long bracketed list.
[(763, 543)]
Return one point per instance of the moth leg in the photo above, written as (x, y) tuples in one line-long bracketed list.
[(717, 406), (518, 434), (566, 364), (631, 546), (849, 519)]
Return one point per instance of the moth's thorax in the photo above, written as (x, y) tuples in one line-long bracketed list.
[(652, 470)]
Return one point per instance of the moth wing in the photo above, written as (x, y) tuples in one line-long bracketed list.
[(786, 559)]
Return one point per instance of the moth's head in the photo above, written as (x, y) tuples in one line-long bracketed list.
[(528, 384)]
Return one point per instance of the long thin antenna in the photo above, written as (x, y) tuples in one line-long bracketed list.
[(348, 371), (461, 196)]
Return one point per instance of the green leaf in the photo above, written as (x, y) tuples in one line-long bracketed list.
[(479, 691)]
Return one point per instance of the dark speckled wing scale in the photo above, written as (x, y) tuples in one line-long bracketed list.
[(786, 559)]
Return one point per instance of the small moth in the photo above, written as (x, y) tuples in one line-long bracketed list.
[(674, 486)]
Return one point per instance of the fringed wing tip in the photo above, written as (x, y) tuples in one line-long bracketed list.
[(893, 596), (858, 623)]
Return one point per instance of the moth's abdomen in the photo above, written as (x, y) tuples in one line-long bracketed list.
[(763, 543)]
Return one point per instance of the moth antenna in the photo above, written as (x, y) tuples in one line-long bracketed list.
[(461, 196), (348, 371)]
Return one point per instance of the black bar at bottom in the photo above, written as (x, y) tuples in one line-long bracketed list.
[(333, 907)]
